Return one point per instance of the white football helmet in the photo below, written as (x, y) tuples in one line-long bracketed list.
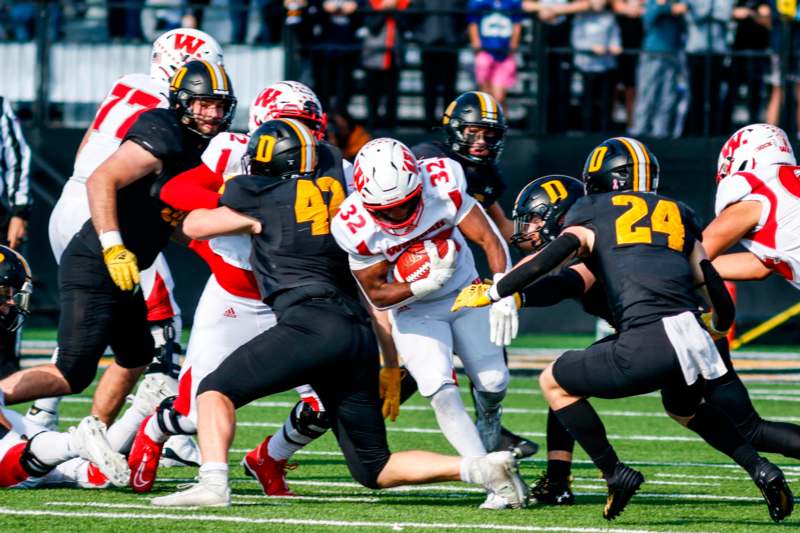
[(387, 178), (754, 146), (288, 99), (176, 47)]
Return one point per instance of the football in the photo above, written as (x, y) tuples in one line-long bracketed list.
[(414, 264)]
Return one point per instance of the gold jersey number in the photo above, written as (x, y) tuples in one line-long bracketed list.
[(665, 218), (309, 206)]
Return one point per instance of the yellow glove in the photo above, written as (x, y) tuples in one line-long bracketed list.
[(121, 264), (389, 391), (475, 295), (708, 320)]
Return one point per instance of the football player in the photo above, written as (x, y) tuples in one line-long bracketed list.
[(644, 250), (400, 202), (475, 126), (101, 302), (230, 311), (322, 336), (130, 96)]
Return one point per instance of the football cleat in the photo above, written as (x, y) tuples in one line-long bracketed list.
[(91, 442), (44, 417), (519, 446), (622, 485), (772, 484), (143, 460), (553, 492), (494, 502), (499, 474), (180, 450), (211, 490), (269, 473)]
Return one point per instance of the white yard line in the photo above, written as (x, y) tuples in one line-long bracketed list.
[(394, 526)]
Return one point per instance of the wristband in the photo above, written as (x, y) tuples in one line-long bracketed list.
[(110, 238)]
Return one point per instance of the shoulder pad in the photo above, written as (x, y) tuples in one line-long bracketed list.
[(157, 131), (581, 212), (731, 190), (442, 175), (224, 153), (352, 227)]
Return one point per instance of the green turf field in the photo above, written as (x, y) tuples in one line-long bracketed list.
[(689, 486)]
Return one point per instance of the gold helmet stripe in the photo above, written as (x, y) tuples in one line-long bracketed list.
[(308, 154)]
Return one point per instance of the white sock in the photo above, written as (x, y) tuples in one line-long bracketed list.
[(467, 473), (48, 404), (154, 431), (279, 448), (123, 431), (217, 472), (456, 425), (52, 448)]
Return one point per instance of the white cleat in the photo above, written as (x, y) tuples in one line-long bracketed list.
[(499, 474), (91, 443), (153, 390), (180, 450), (494, 502), (209, 491)]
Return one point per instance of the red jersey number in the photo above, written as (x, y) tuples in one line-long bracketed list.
[(135, 102)]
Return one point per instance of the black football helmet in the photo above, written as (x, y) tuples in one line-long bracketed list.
[(15, 283), (283, 148), (475, 108), (540, 208), (201, 79), (621, 164)]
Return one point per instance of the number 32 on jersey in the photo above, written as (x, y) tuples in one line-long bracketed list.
[(665, 218)]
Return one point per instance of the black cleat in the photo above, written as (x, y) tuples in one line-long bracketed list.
[(622, 485), (553, 492), (519, 446), (770, 481)]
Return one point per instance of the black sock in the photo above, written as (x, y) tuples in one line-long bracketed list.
[(558, 439), (558, 470), (719, 431), (582, 422)]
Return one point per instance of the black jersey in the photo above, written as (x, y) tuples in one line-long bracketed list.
[(484, 182), (640, 255), (295, 247), (146, 222)]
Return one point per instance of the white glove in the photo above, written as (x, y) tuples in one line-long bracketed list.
[(442, 269), (503, 320)]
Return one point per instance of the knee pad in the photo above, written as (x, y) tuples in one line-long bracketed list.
[(492, 380), (309, 422), (171, 422)]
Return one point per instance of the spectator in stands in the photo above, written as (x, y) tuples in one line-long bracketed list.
[(15, 207), (440, 35), (597, 41), (753, 22), (556, 18), (706, 47), (194, 13), (333, 77), (240, 15), (343, 131), (125, 19), (21, 20), (629, 18), (272, 17), (659, 68), (494, 33), (382, 54)]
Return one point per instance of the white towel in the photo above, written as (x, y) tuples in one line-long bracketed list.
[(695, 348)]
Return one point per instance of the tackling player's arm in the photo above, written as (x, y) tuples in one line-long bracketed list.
[(742, 266), (196, 188), (204, 224), (569, 283)]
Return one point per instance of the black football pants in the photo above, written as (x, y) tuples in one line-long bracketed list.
[(320, 342)]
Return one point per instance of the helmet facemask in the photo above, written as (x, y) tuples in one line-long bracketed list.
[(188, 118), (463, 141), (386, 216)]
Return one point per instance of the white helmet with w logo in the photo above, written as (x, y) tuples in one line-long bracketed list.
[(288, 99), (387, 179), (176, 47), (754, 146)]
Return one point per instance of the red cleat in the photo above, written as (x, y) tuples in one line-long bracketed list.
[(143, 460), (269, 472)]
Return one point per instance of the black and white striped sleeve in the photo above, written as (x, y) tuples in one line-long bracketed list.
[(16, 160)]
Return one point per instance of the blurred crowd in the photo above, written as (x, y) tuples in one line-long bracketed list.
[(657, 68)]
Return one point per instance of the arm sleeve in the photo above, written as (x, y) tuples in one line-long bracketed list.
[(549, 258), (719, 296), (195, 188), (241, 195), (17, 157), (553, 289)]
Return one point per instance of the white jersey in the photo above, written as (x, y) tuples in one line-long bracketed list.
[(445, 204), (225, 155), (131, 95), (776, 238)]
